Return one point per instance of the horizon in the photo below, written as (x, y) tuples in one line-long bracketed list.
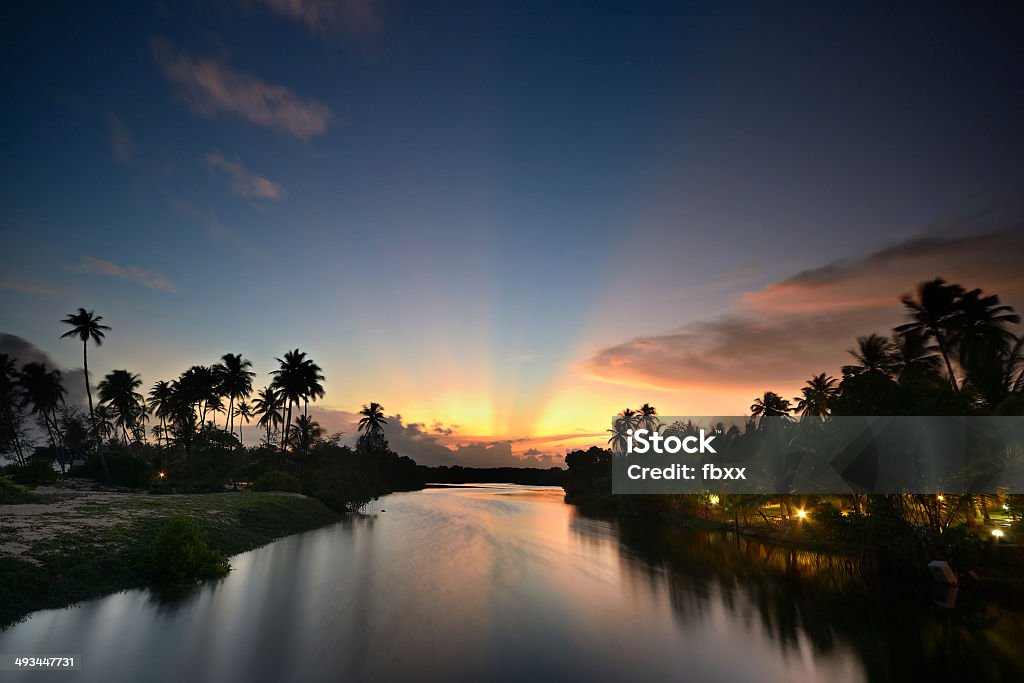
[(412, 198)]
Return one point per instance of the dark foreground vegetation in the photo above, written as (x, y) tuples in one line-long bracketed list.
[(956, 355)]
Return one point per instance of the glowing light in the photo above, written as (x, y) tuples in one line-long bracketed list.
[(713, 499), (940, 498), (997, 533), (1006, 507), (801, 513), (161, 474)]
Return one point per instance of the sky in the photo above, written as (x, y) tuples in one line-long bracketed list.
[(503, 221)]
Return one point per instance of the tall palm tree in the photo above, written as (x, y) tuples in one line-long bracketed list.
[(234, 380), (934, 314), (292, 380), (307, 432), (198, 386), (911, 353), (119, 391), (371, 424), (85, 325), (104, 422), (874, 354), (43, 391), (244, 412), (268, 406), (10, 416), (621, 425), (770, 405), (160, 400), (816, 396)]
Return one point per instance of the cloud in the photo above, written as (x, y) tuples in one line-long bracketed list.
[(24, 351), (802, 325), (328, 18), (435, 444), (29, 288), (146, 278), (122, 143), (210, 87), (244, 182)]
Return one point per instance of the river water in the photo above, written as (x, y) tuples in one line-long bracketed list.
[(498, 583)]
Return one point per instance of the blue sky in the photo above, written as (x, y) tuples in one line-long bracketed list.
[(456, 209)]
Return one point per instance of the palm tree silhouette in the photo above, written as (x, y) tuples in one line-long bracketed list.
[(307, 432), (118, 390), (11, 429), (42, 390), (268, 406), (648, 418), (621, 424), (161, 397), (244, 413), (770, 405), (816, 396), (85, 325), (934, 314), (234, 380), (874, 354), (104, 422), (371, 424), (298, 379)]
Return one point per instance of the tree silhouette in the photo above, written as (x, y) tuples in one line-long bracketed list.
[(934, 315), (371, 424), (770, 405), (161, 398), (648, 418), (244, 413), (118, 390), (85, 325), (234, 380), (874, 354), (43, 391), (816, 396), (268, 406)]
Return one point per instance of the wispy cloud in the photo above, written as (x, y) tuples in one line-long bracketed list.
[(122, 143), (329, 18), (146, 278), (29, 288), (210, 87), (244, 182)]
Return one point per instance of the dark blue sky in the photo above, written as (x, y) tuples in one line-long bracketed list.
[(452, 205)]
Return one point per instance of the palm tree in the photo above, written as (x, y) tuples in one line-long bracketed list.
[(816, 396), (874, 354), (648, 418), (234, 380), (9, 411), (770, 405), (911, 353), (104, 422), (307, 432), (296, 379), (198, 386), (85, 325), (268, 406), (42, 389), (244, 413), (371, 424), (621, 426), (118, 390), (160, 400), (934, 314)]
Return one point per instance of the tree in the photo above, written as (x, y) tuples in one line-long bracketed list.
[(298, 380), (43, 391), (234, 380), (268, 406), (648, 418), (11, 417), (816, 396), (874, 354), (85, 325), (118, 390), (244, 413), (770, 405), (621, 424), (161, 397), (371, 424), (307, 433), (934, 315)]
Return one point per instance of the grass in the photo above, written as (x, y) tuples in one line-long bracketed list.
[(76, 562)]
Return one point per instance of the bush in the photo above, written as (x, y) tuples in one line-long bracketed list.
[(36, 472), (125, 470), (179, 555), (278, 481), (12, 494)]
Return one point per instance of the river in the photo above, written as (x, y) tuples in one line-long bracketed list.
[(498, 583)]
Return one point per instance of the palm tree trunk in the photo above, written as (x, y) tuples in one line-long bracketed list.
[(945, 357), (92, 416)]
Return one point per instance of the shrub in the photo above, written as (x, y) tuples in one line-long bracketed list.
[(12, 494), (179, 555), (277, 481), (125, 470), (36, 472)]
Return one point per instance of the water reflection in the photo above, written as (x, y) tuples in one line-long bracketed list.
[(506, 583)]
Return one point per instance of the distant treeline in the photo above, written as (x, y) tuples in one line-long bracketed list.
[(529, 476)]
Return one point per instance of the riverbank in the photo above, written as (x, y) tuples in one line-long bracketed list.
[(79, 544)]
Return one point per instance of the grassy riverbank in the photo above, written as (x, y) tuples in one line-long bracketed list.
[(81, 545)]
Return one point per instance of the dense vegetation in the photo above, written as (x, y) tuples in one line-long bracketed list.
[(956, 355)]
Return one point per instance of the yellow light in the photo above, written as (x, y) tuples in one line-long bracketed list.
[(940, 497), (997, 533), (713, 499), (161, 474), (801, 513), (1006, 507)]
